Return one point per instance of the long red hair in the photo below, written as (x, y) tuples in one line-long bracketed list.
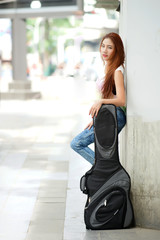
[(117, 60)]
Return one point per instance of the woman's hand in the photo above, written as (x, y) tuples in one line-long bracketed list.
[(89, 125), (95, 108)]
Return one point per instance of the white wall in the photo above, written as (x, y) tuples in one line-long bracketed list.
[(140, 31), (143, 56)]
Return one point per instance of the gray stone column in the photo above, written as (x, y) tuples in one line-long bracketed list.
[(20, 87), (19, 49)]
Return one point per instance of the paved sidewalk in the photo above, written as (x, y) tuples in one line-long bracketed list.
[(39, 174), (34, 160)]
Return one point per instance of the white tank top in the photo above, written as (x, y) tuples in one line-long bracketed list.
[(100, 81)]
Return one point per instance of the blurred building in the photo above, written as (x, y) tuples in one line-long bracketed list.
[(19, 11), (95, 23)]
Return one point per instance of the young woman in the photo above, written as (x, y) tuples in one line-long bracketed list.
[(112, 90)]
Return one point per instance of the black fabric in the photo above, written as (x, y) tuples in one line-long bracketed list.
[(107, 183), (105, 132), (114, 90), (112, 204)]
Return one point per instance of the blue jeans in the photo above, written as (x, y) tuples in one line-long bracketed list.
[(80, 143)]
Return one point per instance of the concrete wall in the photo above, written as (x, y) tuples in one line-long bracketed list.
[(140, 31)]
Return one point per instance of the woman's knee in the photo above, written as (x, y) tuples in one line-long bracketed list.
[(82, 140), (77, 143), (74, 144)]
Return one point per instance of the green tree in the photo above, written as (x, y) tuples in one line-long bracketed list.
[(48, 32)]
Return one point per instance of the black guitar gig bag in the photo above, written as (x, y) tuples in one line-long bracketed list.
[(107, 184)]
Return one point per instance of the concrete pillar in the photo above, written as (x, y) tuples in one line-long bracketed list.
[(20, 87), (19, 49), (140, 30)]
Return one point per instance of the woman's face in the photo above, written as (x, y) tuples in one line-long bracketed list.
[(107, 49)]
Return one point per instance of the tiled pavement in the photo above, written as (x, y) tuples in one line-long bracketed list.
[(34, 160), (39, 174)]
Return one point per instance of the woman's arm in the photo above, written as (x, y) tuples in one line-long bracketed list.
[(120, 99)]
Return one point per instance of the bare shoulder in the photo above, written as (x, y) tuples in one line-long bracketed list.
[(119, 80), (118, 75)]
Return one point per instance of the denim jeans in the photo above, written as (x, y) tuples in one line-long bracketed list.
[(80, 143)]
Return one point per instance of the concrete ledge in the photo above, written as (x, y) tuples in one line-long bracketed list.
[(19, 85), (20, 95)]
